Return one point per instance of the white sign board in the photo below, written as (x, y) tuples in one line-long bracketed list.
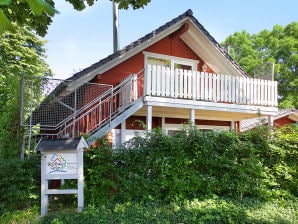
[(61, 159), (62, 163)]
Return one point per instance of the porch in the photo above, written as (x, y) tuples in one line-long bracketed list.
[(156, 92)]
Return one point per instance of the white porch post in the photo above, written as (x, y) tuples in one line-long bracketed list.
[(192, 116), (149, 118), (163, 124), (271, 124), (232, 125), (123, 130)]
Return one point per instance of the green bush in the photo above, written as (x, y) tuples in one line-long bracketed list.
[(194, 164), (19, 183), (100, 174), (190, 164)]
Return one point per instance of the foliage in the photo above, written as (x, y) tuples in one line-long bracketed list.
[(278, 46), (208, 210), (100, 173), (283, 158), (19, 184), (21, 54), (37, 14), (192, 177), (194, 164)]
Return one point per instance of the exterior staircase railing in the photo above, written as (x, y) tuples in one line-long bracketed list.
[(102, 110)]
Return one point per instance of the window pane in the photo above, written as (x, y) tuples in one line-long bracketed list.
[(181, 66), (159, 61), (174, 132)]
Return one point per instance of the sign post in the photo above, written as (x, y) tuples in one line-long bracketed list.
[(61, 159)]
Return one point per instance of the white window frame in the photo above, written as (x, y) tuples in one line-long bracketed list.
[(178, 127), (174, 60)]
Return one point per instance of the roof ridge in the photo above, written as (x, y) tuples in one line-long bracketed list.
[(131, 45)]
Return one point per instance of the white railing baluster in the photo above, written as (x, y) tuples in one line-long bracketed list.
[(275, 93), (213, 87), (247, 95), (222, 88), (158, 81), (237, 89), (153, 80), (269, 93), (176, 83), (227, 88), (194, 85), (217, 92), (190, 82), (234, 89), (265, 93), (148, 80), (185, 83), (202, 78), (209, 87), (206, 95), (181, 83), (163, 82)]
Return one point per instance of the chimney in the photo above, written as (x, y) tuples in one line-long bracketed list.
[(115, 26)]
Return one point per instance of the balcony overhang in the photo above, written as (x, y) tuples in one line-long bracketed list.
[(179, 108)]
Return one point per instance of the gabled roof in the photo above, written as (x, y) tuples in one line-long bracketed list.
[(248, 124), (61, 144), (147, 40)]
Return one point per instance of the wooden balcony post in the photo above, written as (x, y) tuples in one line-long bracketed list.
[(149, 118), (192, 116), (232, 127), (123, 130)]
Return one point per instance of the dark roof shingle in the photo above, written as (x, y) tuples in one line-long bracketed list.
[(151, 35)]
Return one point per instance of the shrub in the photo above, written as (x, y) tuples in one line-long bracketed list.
[(193, 164), (19, 183)]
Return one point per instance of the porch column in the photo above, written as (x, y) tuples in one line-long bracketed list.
[(192, 116), (123, 130), (163, 124), (271, 124), (149, 118), (232, 125)]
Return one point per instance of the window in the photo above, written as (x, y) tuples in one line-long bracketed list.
[(170, 61), (159, 61)]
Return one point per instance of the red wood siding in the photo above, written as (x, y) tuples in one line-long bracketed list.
[(173, 47), (197, 121), (282, 122), (134, 122)]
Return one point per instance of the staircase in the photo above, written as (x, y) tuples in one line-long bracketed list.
[(96, 117), (104, 112)]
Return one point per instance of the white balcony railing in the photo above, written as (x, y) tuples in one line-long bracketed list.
[(193, 85)]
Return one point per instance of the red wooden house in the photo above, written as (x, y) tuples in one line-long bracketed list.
[(178, 73)]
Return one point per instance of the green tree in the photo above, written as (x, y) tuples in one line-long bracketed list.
[(21, 54), (279, 46), (38, 14)]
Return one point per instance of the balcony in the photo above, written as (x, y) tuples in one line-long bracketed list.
[(209, 89)]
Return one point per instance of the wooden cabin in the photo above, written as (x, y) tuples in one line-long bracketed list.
[(175, 74)]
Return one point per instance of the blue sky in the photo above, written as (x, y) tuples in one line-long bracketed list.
[(75, 40)]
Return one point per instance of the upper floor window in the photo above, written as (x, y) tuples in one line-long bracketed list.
[(170, 61)]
